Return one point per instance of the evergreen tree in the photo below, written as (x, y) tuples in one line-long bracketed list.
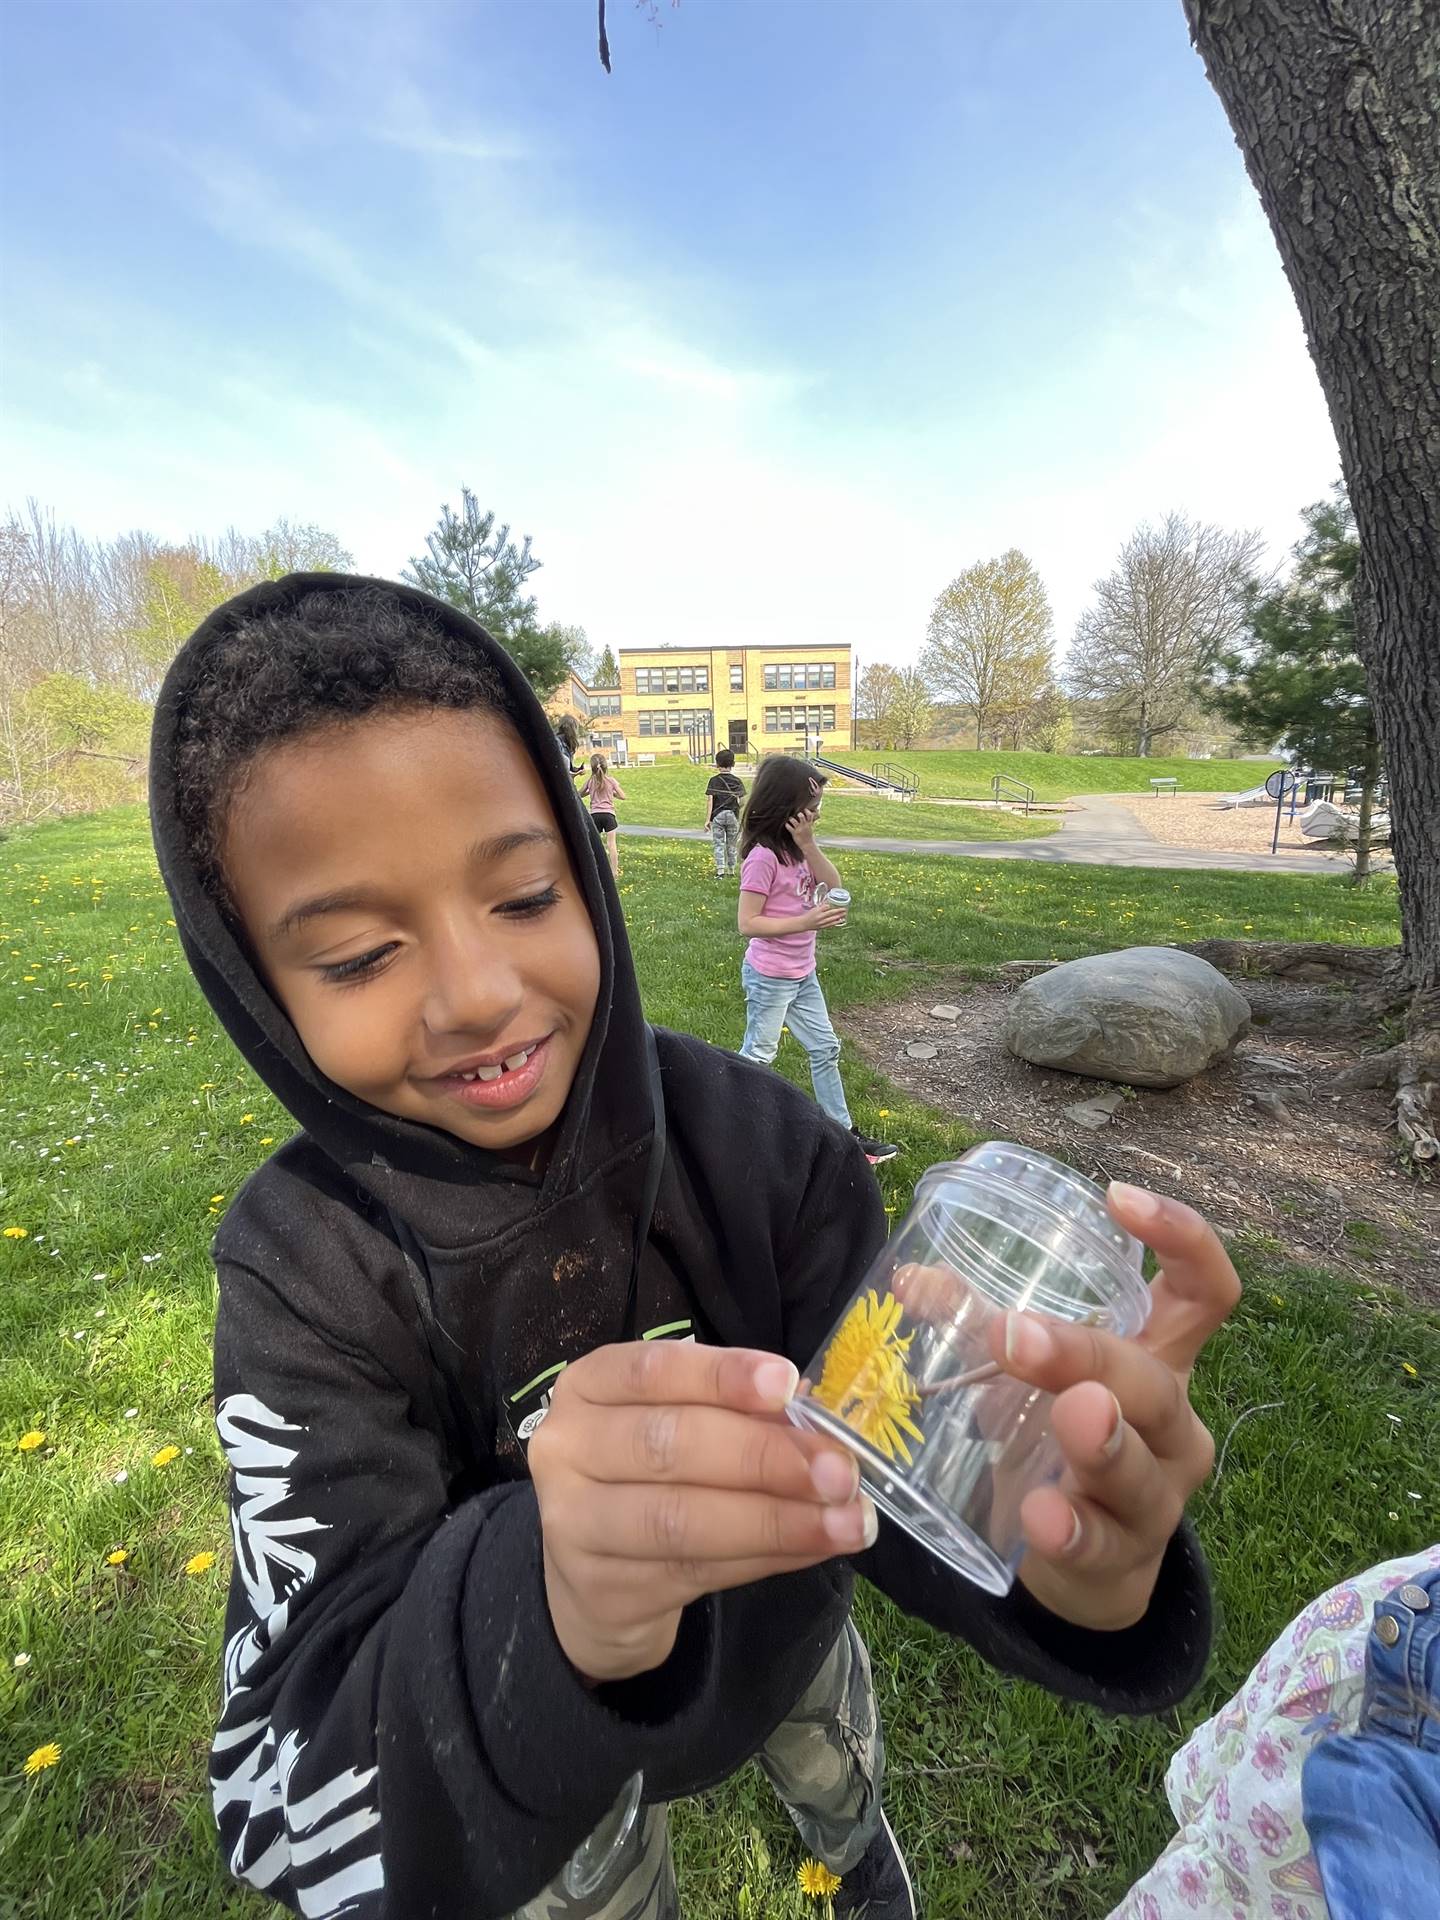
[(1298, 680), (477, 567)]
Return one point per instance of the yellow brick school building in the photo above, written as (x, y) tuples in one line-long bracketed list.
[(684, 702)]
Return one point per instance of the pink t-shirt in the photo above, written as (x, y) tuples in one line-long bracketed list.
[(788, 891)]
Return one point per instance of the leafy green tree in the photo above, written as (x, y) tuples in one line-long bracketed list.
[(1049, 726), (990, 638), (95, 718), (180, 587), (911, 708), (1297, 679), (475, 565), (607, 669), (545, 655)]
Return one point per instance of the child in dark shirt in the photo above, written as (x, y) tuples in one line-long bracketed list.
[(506, 1328), (724, 797)]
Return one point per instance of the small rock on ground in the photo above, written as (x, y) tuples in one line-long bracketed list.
[(1097, 1113), (945, 1013), (921, 1050)]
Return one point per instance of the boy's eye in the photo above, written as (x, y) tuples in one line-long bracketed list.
[(347, 972), (530, 904)]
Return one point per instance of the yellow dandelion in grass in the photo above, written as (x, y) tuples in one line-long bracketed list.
[(247, 1119), (42, 1758), (118, 1557), (1405, 1367), (200, 1563), (165, 1456), (28, 1442), (268, 1141), (17, 1233), (865, 1380), (817, 1882)]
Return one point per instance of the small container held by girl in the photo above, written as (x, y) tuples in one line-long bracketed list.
[(787, 893), (602, 790)]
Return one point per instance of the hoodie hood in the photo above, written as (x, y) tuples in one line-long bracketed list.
[(419, 1171)]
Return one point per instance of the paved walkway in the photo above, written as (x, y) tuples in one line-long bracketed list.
[(1100, 833)]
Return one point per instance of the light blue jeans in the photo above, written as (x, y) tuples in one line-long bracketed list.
[(1372, 1798), (770, 1006)]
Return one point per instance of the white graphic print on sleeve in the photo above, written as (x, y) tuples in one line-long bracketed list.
[(269, 1834)]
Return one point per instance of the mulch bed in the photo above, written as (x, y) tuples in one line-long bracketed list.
[(1260, 1144)]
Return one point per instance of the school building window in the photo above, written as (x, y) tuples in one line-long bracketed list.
[(660, 722), (800, 677), (737, 679), (672, 680), (604, 704), (797, 719)]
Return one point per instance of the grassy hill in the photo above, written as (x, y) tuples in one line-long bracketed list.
[(964, 774)]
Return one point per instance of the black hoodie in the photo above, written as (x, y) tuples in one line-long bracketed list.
[(401, 1735)]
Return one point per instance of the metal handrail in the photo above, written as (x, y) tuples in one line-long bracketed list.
[(901, 777), (1004, 786)]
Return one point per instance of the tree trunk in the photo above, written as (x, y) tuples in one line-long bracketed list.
[(1369, 781), (1335, 105)]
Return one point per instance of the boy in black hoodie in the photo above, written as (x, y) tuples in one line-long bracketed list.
[(509, 1203)]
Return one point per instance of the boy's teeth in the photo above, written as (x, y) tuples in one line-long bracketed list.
[(509, 1065), (488, 1073), (516, 1060)]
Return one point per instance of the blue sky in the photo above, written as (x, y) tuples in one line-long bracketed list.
[(767, 335)]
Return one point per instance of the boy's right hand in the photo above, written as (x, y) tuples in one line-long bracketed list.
[(664, 1472)]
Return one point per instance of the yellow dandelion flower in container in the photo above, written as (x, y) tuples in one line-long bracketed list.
[(42, 1758), (199, 1563), (28, 1442), (165, 1456), (268, 1141), (817, 1882), (118, 1557), (247, 1119), (1405, 1367), (17, 1233), (865, 1380)]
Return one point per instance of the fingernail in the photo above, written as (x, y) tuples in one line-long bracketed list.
[(776, 1381), (1143, 1208), (853, 1526), (1028, 1342), (1077, 1534), (1117, 1433), (835, 1477)]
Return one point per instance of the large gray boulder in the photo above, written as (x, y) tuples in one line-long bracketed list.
[(1149, 1016)]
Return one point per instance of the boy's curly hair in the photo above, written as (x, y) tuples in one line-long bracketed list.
[(330, 657)]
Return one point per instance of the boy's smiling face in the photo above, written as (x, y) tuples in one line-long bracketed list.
[(409, 896)]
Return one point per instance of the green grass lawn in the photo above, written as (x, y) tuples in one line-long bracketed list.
[(127, 1124), (1056, 776), (673, 795)]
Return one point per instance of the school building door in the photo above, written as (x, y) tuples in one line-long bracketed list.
[(739, 736)]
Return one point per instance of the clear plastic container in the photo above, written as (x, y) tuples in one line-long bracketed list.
[(948, 1443)]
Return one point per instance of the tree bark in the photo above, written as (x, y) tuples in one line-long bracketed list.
[(1335, 105)]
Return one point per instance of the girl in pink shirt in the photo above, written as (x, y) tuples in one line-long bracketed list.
[(784, 878), (602, 790)]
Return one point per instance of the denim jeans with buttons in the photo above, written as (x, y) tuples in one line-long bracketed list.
[(1372, 1798)]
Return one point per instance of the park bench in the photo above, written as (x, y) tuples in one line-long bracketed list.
[(1165, 783)]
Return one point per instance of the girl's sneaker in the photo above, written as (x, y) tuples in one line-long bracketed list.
[(878, 1886), (875, 1151)]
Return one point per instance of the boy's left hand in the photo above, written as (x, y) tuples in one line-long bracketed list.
[(1135, 1448)]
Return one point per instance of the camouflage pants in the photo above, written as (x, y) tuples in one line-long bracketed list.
[(826, 1764)]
